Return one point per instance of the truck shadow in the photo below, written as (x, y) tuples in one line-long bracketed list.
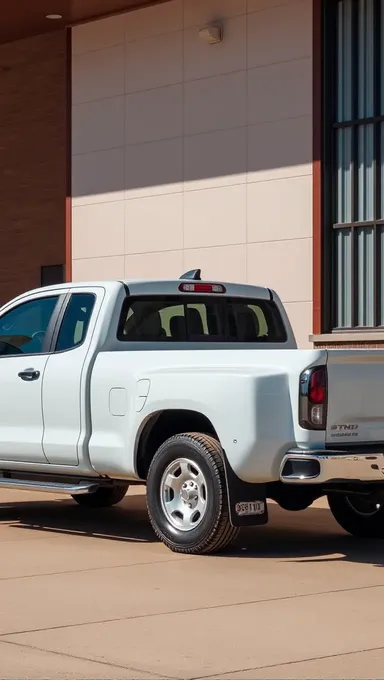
[(309, 536), (127, 522)]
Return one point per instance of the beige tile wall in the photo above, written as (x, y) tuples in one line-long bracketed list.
[(193, 155)]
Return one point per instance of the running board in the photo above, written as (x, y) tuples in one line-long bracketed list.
[(48, 487)]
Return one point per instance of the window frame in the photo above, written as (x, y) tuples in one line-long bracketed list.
[(192, 298), (329, 126), (47, 344)]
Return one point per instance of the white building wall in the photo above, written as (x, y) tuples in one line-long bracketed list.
[(192, 155)]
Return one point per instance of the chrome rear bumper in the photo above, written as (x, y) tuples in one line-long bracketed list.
[(319, 467)]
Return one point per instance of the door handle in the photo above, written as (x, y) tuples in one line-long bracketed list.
[(29, 374)]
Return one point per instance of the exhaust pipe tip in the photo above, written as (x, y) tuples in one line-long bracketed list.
[(300, 468)]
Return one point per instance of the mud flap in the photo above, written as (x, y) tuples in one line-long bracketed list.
[(247, 502)]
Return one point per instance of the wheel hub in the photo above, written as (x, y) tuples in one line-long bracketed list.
[(189, 493), (183, 494)]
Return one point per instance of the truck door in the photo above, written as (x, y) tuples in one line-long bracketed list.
[(26, 330), (65, 385)]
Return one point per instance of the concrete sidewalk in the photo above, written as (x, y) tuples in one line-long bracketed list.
[(92, 594)]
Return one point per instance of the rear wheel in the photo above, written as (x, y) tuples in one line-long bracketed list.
[(361, 516), (187, 495), (104, 497)]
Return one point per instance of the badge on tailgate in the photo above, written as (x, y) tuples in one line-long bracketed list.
[(344, 430)]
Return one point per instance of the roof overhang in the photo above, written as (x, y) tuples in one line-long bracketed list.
[(24, 18)]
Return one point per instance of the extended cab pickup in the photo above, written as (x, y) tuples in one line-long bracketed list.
[(197, 390)]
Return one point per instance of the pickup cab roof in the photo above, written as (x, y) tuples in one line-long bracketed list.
[(172, 287), (162, 287)]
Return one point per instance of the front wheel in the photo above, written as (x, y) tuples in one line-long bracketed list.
[(187, 495), (104, 497), (361, 516)]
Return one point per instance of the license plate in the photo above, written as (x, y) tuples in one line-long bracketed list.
[(250, 508)]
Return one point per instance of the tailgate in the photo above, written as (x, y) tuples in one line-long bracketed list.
[(355, 397)]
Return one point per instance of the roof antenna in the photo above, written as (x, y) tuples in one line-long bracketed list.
[(193, 274)]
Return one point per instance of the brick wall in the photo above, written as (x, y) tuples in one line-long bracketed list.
[(32, 160)]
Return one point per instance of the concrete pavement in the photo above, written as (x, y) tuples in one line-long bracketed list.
[(86, 593)]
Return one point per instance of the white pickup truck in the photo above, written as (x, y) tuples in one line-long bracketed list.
[(196, 389)]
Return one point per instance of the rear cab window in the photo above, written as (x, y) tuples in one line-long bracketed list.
[(193, 318)]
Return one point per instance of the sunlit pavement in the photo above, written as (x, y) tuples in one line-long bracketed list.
[(92, 594)]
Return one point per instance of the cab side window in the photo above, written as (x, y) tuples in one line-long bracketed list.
[(23, 329), (75, 321)]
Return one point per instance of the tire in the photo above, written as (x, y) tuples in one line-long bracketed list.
[(104, 497), (208, 528), (357, 515)]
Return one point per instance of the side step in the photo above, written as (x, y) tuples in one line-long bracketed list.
[(49, 487)]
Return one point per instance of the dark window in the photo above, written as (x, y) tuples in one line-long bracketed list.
[(194, 319), (354, 163), (75, 321), (23, 329), (52, 275)]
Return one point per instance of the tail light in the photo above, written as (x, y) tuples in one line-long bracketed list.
[(313, 399)]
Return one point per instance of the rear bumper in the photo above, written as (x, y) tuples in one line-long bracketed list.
[(319, 467)]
